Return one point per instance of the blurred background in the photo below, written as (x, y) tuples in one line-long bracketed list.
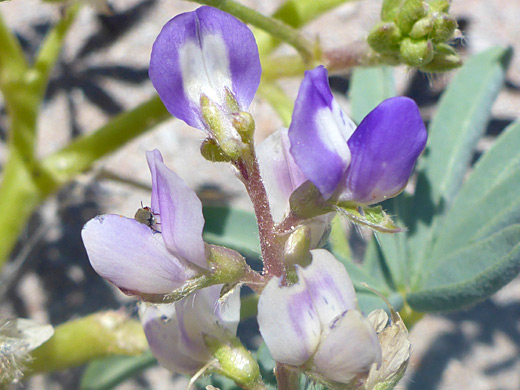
[(103, 71)]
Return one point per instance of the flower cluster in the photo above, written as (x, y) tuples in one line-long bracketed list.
[(206, 69)]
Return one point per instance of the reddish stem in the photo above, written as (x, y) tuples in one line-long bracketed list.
[(271, 253)]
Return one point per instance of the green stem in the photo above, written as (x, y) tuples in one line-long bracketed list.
[(12, 60), (79, 156), (278, 99), (296, 13), (274, 27), (95, 336), (50, 49)]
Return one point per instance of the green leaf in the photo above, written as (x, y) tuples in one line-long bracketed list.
[(232, 228), (476, 211), (373, 217), (368, 88), (368, 301), (104, 374), (470, 274), (461, 118)]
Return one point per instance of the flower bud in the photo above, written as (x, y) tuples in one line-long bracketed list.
[(390, 9), (444, 60), (422, 27), (409, 13), (385, 38), (298, 246), (416, 53), (439, 5), (444, 28)]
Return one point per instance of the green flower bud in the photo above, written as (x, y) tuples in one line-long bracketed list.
[(211, 151), (416, 53), (390, 9), (385, 38), (409, 13), (444, 28), (422, 27), (235, 362), (439, 5), (444, 60)]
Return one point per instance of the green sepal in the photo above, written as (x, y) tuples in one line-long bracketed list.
[(439, 5), (416, 52), (390, 9), (373, 217), (211, 151), (307, 202), (444, 27), (422, 27)]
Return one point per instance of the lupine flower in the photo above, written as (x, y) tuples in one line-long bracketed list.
[(142, 259), (364, 165), (176, 332), (207, 53), (314, 324)]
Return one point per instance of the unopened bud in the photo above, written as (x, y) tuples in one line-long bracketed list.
[(235, 362), (439, 5), (390, 9), (444, 60), (422, 27), (444, 28), (416, 53), (411, 12), (244, 123), (384, 38), (298, 246), (211, 151)]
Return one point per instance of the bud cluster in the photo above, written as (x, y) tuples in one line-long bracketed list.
[(416, 32)]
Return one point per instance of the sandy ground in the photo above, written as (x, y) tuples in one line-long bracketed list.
[(103, 71)]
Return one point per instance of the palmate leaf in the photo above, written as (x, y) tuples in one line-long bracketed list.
[(469, 274), (488, 201), (461, 118)]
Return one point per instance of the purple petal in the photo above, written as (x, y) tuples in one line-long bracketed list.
[(349, 347), (280, 173), (319, 132), (153, 158), (204, 51), (132, 256), (384, 149), (180, 213)]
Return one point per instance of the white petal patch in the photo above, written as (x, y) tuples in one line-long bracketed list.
[(334, 129), (205, 69)]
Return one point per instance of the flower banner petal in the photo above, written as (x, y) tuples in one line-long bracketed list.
[(319, 132), (204, 52), (132, 256), (180, 212)]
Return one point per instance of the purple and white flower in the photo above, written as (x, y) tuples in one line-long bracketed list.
[(364, 165), (208, 53), (314, 324), (142, 259), (176, 332)]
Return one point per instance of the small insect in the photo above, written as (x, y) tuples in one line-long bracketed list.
[(146, 216)]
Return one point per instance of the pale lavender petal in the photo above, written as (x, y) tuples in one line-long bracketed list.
[(288, 322), (384, 149), (132, 256), (160, 324), (153, 158), (329, 286), (349, 347), (180, 213), (319, 132), (204, 313), (204, 52), (280, 173)]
